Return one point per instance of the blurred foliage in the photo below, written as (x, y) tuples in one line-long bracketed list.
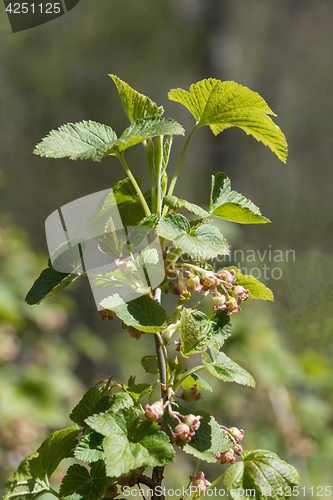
[(57, 73)]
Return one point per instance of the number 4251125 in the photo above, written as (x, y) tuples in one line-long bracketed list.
[(32, 8)]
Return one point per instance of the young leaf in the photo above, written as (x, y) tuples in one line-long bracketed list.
[(80, 483), (90, 447), (176, 203), (208, 439), (195, 379), (192, 338), (150, 364), (49, 283), (203, 242), (92, 141), (138, 391), (122, 195), (226, 369), (257, 290), (226, 104), (143, 313), (128, 444), (231, 205), (136, 105), (260, 475)]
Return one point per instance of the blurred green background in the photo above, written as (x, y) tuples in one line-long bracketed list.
[(57, 73)]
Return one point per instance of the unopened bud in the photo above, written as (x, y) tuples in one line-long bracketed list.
[(193, 282), (236, 433), (228, 457), (106, 314), (193, 422), (219, 301), (183, 433), (155, 411), (192, 394), (232, 305), (124, 264)]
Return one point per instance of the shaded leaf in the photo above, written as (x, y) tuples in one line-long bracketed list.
[(262, 474), (86, 406), (90, 447), (47, 284), (195, 379), (150, 364), (80, 483), (138, 391), (203, 242), (143, 313), (226, 369), (226, 104), (128, 444), (192, 338), (136, 105)]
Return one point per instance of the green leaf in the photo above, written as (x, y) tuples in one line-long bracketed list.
[(136, 105), (203, 242), (138, 391), (86, 406), (166, 152), (192, 338), (150, 364), (195, 379), (257, 290), (176, 203), (208, 439), (80, 483), (143, 313), (128, 444), (22, 485), (86, 139), (90, 447), (48, 283), (217, 328), (231, 205), (124, 197), (226, 369), (226, 104), (109, 242), (92, 141), (262, 474), (32, 477)]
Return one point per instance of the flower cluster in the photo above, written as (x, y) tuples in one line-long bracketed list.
[(226, 295), (235, 435), (105, 314), (186, 429)]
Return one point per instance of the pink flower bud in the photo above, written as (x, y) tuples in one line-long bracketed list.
[(177, 343), (238, 448), (240, 293), (232, 305), (124, 264), (236, 433), (106, 314), (228, 276), (199, 481), (183, 433), (193, 422), (155, 411), (192, 394), (219, 301), (209, 283), (228, 457), (193, 282)]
